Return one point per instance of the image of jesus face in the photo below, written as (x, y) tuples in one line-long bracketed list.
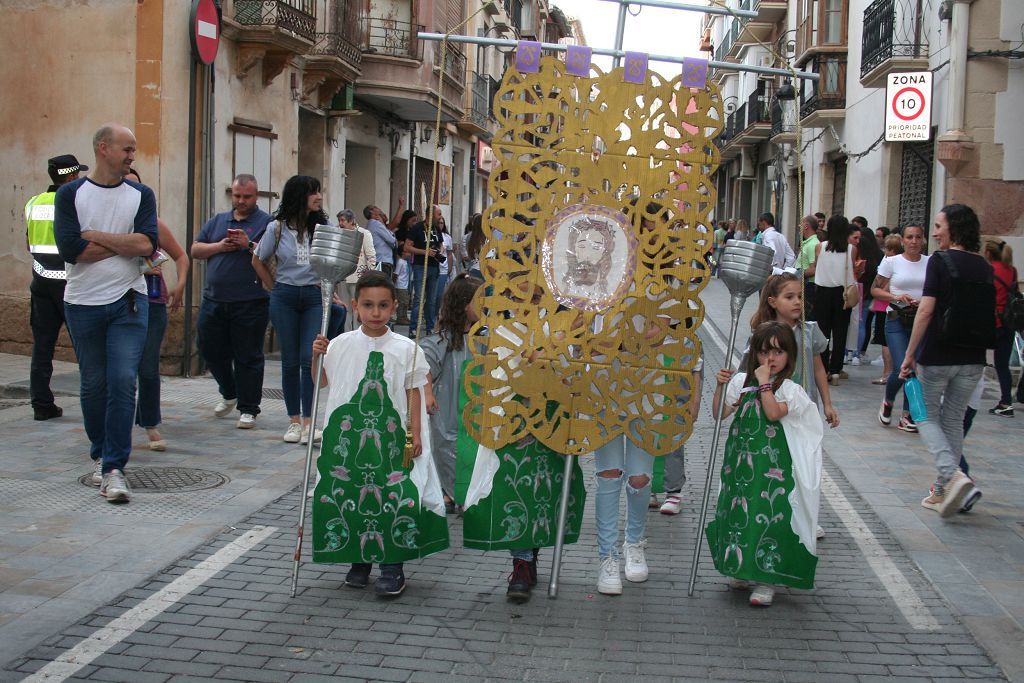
[(591, 246), (589, 256)]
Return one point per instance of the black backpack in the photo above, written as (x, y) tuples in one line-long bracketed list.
[(969, 321), (1013, 313)]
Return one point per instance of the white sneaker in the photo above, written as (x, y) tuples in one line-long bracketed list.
[(294, 433), (114, 487), (762, 596), (819, 533), (97, 473), (855, 361), (224, 407), (246, 421), (608, 581), (317, 437), (636, 561), (672, 505), (878, 362), (653, 503)]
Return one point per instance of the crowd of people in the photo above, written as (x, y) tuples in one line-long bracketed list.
[(843, 290)]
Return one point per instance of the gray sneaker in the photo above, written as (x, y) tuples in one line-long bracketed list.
[(115, 487), (97, 472)]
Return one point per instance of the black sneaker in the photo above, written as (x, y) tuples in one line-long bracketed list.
[(1001, 409), (359, 575), (46, 412), (533, 567), (519, 581), (391, 581), (885, 413)]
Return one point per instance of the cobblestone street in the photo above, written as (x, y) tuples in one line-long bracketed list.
[(237, 621)]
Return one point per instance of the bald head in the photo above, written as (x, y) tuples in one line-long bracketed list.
[(114, 146)]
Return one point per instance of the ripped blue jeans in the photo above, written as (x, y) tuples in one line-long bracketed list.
[(629, 460)]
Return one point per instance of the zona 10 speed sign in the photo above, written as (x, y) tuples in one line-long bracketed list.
[(908, 106)]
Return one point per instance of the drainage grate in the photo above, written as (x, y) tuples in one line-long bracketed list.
[(273, 393), (158, 479)]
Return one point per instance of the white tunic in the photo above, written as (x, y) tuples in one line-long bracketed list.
[(405, 367), (803, 437)]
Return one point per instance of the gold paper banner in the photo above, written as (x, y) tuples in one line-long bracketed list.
[(596, 238)]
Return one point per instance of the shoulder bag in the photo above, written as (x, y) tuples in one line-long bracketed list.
[(851, 295), (270, 263)]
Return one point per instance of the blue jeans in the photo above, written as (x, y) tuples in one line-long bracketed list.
[(896, 338), (231, 341), (631, 461), (430, 310), (296, 313), (108, 341), (147, 413), (946, 389)]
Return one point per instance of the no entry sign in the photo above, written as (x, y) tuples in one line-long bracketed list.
[(204, 29), (908, 106)]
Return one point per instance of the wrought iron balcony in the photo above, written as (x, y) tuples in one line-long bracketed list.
[(296, 16), (393, 38), (337, 45), (454, 63), (825, 99), (895, 39), (479, 117), (783, 120)]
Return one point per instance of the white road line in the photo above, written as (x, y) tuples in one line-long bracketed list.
[(102, 640), (903, 594)]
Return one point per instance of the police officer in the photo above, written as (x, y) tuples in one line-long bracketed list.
[(48, 279)]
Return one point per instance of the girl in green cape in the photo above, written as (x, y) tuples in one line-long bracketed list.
[(763, 534)]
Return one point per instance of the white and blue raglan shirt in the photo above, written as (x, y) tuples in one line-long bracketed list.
[(121, 209)]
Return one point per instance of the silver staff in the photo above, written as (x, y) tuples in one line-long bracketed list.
[(745, 267), (334, 255)]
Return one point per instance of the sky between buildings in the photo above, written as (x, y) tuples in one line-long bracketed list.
[(653, 30)]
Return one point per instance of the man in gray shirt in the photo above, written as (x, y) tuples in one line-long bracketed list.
[(383, 239)]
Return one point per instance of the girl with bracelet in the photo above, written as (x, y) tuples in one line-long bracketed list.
[(763, 534)]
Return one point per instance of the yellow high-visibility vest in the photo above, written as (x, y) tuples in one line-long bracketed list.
[(39, 213)]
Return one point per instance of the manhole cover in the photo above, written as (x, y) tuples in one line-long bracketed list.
[(157, 479)]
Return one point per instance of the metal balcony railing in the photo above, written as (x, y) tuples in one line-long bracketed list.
[(759, 105), (337, 45), (340, 34), (392, 38), (893, 28), (454, 63), (830, 90), (480, 111), (297, 16), (739, 119)]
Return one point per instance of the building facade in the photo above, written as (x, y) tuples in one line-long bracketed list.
[(824, 150), (341, 90)]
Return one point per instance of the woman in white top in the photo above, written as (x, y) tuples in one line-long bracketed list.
[(835, 268), (345, 291), (900, 281)]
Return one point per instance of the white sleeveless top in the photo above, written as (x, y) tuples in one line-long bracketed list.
[(833, 269)]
